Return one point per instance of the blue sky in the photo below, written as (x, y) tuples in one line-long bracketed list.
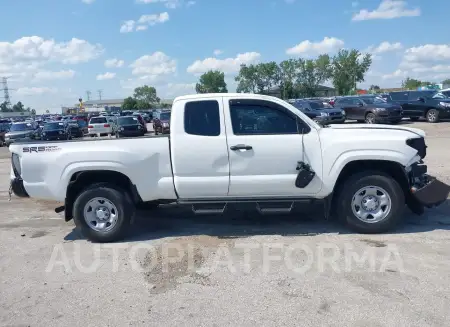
[(55, 50)]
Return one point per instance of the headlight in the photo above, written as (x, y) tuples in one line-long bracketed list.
[(60, 132), (380, 109), (121, 128), (324, 114), (445, 104), (343, 112), (139, 127), (43, 134)]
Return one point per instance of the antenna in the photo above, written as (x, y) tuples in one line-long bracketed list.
[(88, 95), (100, 92)]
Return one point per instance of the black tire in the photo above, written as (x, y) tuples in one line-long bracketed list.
[(370, 118), (120, 199), (432, 116), (414, 118), (370, 178)]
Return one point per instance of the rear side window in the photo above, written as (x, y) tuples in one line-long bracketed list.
[(399, 96), (202, 118)]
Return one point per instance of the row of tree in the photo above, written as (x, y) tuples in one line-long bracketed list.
[(144, 97), (295, 77), (18, 107)]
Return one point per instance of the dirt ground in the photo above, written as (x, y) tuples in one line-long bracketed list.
[(237, 270)]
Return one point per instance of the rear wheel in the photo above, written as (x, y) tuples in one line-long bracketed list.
[(103, 213), (371, 202), (432, 116), (370, 118)]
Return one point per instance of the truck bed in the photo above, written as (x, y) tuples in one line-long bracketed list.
[(144, 160)]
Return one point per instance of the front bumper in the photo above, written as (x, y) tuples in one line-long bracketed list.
[(16, 187), (426, 189), (330, 119)]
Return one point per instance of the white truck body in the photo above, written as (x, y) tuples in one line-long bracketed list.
[(188, 168)]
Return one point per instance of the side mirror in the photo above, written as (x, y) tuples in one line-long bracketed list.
[(421, 99), (361, 104)]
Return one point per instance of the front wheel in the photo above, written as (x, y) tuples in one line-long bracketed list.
[(103, 213), (371, 202), (433, 116), (370, 118)]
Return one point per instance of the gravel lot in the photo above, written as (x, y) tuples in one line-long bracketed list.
[(50, 276)]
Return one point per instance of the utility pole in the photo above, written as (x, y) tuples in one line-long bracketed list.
[(6, 89), (88, 95), (100, 92)]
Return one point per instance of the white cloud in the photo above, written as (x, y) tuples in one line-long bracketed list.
[(36, 50), (384, 47), (428, 53), (308, 48), (114, 63), (144, 22), (54, 75), (218, 52), (154, 65), (127, 26), (228, 65), (154, 19), (27, 91), (388, 9), (171, 4), (105, 76)]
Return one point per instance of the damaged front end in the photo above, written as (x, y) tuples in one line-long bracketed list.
[(426, 190)]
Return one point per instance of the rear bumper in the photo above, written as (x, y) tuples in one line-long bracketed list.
[(17, 188), (426, 189)]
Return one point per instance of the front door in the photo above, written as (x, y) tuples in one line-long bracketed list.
[(266, 141)]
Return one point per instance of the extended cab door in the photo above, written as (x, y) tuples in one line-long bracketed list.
[(401, 98), (199, 150), (266, 140)]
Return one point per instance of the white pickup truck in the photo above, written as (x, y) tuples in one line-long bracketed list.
[(225, 150)]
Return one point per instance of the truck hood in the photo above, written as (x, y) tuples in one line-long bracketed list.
[(380, 127)]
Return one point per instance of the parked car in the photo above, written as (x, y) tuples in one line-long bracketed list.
[(322, 113), (56, 130), (21, 131), (141, 120), (370, 109), (211, 162), (129, 126), (75, 129), (99, 126), (431, 105), (161, 122), (4, 128)]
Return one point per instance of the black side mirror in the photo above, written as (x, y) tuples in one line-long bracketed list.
[(421, 99), (361, 104)]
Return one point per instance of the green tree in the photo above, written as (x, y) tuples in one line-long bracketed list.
[(288, 79), (247, 79), (446, 81), (374, 89), (47, 111), (312, 73), (411, 83), (129, 104), (268, 76), (212, 81), (4, 107), (146, 94), (142, 105), (33, 112), (18, 107), (349, 69)]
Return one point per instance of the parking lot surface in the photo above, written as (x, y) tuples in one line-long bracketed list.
[(176, 269)]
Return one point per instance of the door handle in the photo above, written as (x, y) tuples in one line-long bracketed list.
[(241, 147)]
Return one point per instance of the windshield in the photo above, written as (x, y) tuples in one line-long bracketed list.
[(164, 116), (128, 121), (53, 126), (373, 100), (21, 127), (440, 95), (98, 120)]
